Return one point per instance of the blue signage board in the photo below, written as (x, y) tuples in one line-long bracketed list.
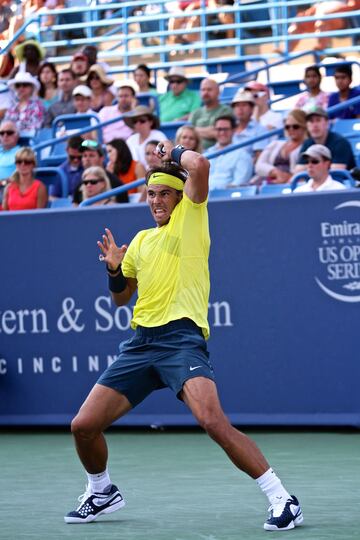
[(283, 311)]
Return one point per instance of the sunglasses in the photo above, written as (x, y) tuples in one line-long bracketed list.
[(22, 85), (7, 132), (292, 126), (92, 181), (223, 129), (24, 162), (141, 120), (176, 81), (312, 161), (74, 158), (94, 78)]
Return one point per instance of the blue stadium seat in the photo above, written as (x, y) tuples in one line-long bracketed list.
[(228, 92), (52, 175), (269, 190), (233, 193), (62, 202), (286, 88), (347, 127), (148, 99), (170, 129)]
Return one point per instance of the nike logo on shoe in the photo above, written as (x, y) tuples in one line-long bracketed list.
[(194, 367)]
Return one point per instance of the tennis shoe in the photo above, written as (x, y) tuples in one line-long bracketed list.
[(284, 515), (92, 505)]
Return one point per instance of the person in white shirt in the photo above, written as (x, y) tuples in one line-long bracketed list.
[(318, 162), (262, 112), (144, 123)]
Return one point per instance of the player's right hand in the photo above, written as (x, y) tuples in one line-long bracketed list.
[(111, 254)]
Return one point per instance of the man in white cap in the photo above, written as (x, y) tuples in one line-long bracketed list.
[(318, 161), (82, 98), (179, 101), (126, 102), (243, 105)]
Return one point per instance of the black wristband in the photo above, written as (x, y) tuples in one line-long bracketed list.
[(177, 152), (118, 282)]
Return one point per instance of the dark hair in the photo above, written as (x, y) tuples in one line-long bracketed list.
[(227, 117), (68, 70), (153, 143), (53, 69), (346, 69), (91, 52), (147, 71), (124, 157), (74, 142), (313, 68), (168, 167)]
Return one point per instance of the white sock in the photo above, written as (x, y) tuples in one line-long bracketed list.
[(99, 482), (271, 485)]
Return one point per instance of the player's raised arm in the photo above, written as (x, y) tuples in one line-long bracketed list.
[(121, 288), (197, 185)]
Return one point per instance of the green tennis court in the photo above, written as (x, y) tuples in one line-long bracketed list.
[(179, 486)]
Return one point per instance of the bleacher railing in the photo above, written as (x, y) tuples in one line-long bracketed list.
[(124, 32)]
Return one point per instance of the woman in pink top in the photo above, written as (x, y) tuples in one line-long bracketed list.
[(314, 97), (24, 192)]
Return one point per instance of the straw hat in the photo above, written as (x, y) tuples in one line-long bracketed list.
[(24, 77), (243, 97), (100, 72), (20, 49), (139, 111)]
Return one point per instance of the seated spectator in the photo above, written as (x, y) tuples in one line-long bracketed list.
[(82, 100), (203, 118), (72, 167), (126, 102), (194, 21), (145, 125), (276, 163), (179, 101), (176, 23), (93, 156), (122, 164), (233, 168), (343, 80), (26, 111), (243, 105), (79, 65), (9, 137), (24, 192), (99, 84), (47, 77), (152, 159), (318, 162), (91, 52), (188, 137), (142, 75), (29, 54), (314, 96), (317, 125), (94, 182), (317, 10), (65, 104), (262, 112), (6, 14)]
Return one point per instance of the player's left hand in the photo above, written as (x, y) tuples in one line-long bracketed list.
[(111, 254)]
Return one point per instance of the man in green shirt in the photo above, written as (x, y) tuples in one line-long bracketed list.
[(179, 101), (203, 118)]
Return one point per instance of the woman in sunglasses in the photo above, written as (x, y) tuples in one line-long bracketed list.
[(145, 125), (277, 161), (26, 111), (96, 181), (24, 192), (100, 84)]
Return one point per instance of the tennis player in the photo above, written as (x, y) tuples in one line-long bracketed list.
[(168, 265)]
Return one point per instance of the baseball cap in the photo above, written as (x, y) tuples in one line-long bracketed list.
[(89, 144), (318, 151), (82, 90), (316, 111)]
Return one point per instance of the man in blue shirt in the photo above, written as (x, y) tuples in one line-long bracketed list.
[(317, 124), (72, 167), (233, 168), (343, 80), (247, 127)]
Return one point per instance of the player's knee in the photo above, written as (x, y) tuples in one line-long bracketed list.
[(212, 422), (82, 428)]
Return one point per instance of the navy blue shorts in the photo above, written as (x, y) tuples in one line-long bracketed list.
[(159, 357)]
